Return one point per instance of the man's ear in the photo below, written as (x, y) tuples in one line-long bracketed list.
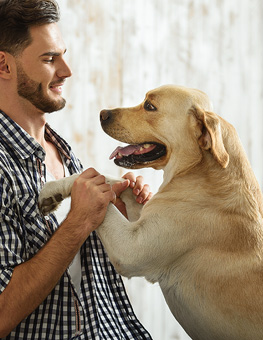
[(209, 134), (4, 66)]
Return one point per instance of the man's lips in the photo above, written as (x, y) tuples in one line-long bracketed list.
[(56, 87)]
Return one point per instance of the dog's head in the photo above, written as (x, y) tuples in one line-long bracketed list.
[(173, 123)]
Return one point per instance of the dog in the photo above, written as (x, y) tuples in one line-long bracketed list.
[(201, 235)]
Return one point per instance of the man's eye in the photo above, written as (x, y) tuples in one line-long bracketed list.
[(149, 107), (49, 60)]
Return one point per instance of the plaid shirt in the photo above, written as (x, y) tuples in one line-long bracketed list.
[(102, 310)]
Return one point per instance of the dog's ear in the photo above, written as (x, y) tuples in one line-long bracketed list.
[(209, 134)]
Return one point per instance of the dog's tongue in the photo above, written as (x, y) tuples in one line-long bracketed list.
[(131, 149), (126, 151)]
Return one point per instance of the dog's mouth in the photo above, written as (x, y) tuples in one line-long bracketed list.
[(132, 155)]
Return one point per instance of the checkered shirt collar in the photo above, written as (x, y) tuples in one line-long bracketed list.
[(23, 144)]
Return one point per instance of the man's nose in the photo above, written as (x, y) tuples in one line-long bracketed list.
[(64, 70)]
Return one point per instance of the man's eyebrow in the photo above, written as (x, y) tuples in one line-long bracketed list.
[(52, 54)]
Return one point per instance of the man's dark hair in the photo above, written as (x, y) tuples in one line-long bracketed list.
[(16, 18)]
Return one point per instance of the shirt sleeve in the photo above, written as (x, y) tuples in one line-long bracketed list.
[(11, 235)]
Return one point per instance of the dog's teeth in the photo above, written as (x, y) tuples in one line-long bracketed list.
[(146, 146)]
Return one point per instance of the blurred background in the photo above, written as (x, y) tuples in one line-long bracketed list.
[(118, 50)]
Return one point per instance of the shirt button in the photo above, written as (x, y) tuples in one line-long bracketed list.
[(40, 154)]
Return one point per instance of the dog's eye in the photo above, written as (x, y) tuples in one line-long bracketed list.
[(149, 107)]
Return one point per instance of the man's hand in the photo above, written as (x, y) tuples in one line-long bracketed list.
[(90, 197), (139, 189)]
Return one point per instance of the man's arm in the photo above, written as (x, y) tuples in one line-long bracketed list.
[(33, 280)]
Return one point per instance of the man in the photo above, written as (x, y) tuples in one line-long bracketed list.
[(56, 281)]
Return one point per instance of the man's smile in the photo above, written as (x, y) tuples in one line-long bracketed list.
[(56, 87)]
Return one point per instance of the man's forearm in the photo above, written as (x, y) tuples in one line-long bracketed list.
[(33, 280)]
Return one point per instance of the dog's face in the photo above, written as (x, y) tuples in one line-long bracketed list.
[(161, 126)]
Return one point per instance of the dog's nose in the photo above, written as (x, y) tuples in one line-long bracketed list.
[(105, 115)]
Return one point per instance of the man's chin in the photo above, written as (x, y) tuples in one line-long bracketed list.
[(51, 106)]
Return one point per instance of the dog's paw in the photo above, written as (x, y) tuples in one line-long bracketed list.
[(49, 204), (49, 200)]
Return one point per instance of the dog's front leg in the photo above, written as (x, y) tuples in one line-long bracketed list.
[(54, 192), (112, 233), (124, 243), (133, 208)]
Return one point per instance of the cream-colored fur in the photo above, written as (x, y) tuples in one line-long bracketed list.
[(201, 235)]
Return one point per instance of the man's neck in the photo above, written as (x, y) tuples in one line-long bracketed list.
[(27, 116), (33, 122)]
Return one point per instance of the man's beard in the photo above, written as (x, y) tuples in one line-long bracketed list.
[(33, 92)]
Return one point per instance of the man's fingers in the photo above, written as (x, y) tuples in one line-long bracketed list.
[(89, 173), (144, 195), (131, 177), (139, 185), (119, 187)]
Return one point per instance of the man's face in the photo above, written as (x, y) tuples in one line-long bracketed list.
[(35, 94), (42, 70)]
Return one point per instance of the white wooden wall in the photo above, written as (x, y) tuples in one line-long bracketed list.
[(120, 49)]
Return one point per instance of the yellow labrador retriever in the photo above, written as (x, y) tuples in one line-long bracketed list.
[(201, 235)]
